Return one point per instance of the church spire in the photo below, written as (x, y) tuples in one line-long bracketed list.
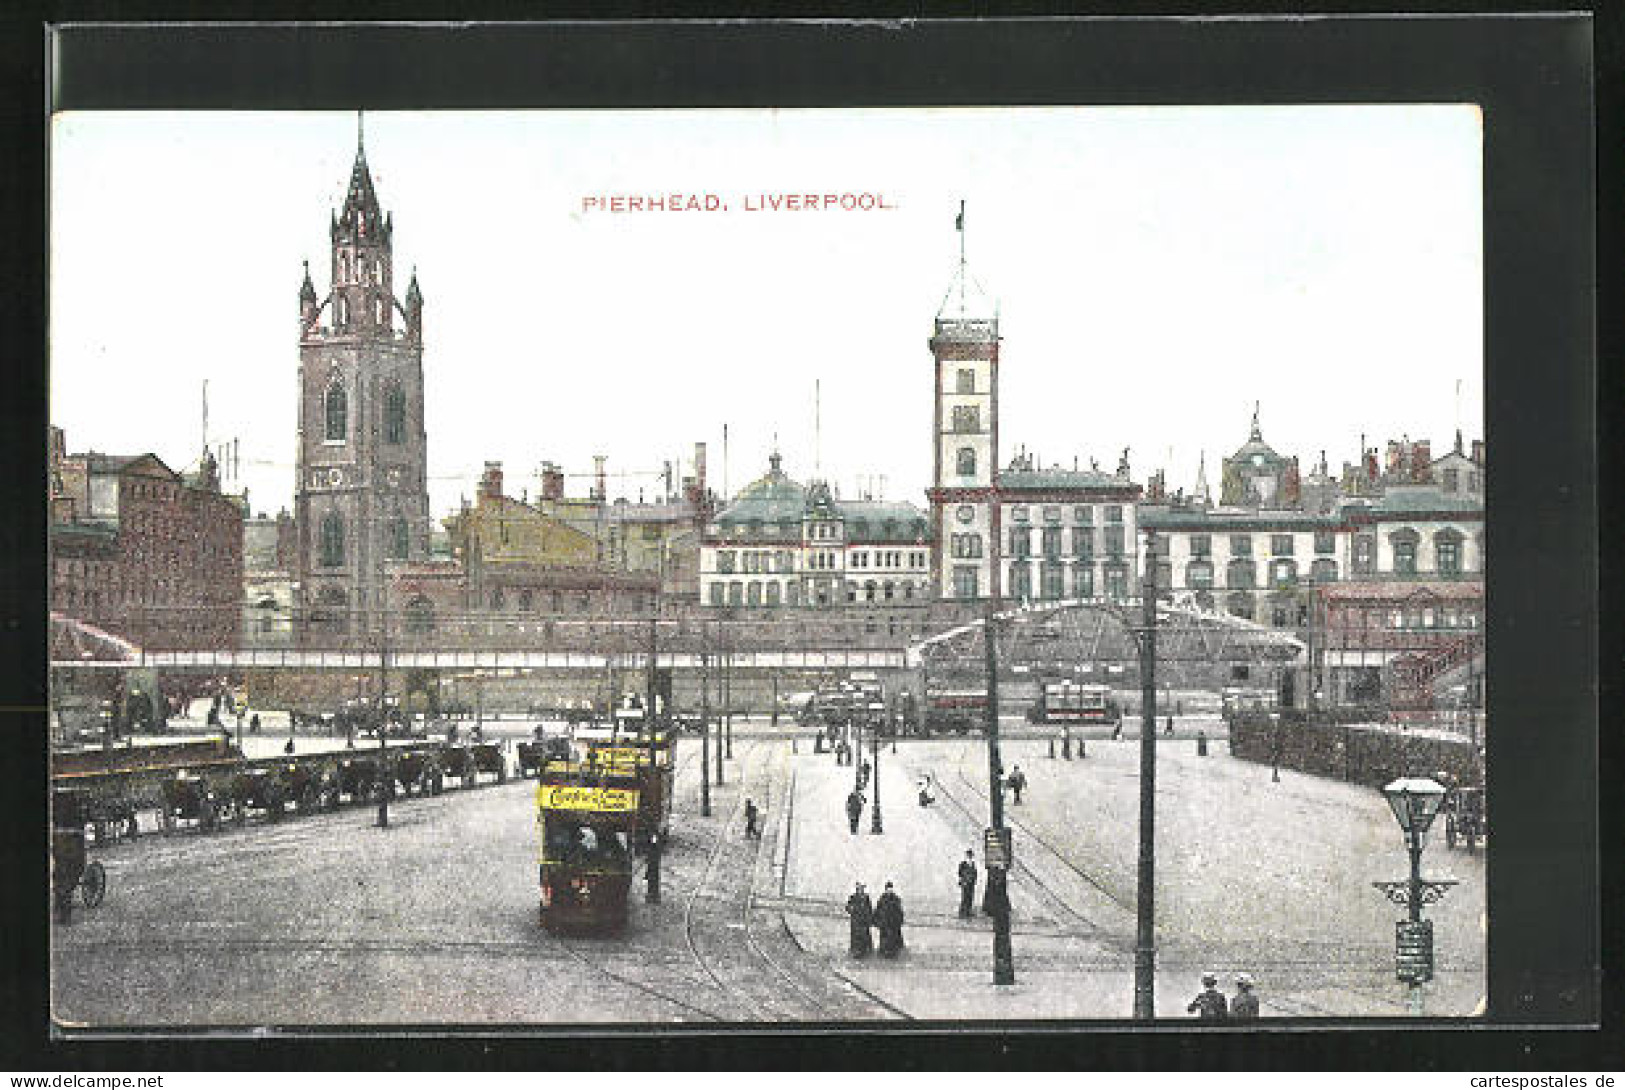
[(1256, 435), (1203, 496)]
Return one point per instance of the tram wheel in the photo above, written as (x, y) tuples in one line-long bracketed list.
[(93, 886)]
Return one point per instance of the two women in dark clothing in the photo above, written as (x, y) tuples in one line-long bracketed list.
[(886, 915)]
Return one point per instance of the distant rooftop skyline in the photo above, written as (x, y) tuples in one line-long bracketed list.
[(1156, 271)]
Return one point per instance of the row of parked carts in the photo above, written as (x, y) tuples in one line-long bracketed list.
[(209, 784)]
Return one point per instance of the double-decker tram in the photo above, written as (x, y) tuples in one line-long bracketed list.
[(589, 821), (652, 770), (1072, 702)]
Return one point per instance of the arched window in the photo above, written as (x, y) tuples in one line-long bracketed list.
[(967, 461), (498, 602), (395, 415), (338, 413), (526, 601), (1404, 544), (399, 539), (419, 616), (332, 543)]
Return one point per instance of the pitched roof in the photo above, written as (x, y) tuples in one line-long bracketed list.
[(1044, 479)]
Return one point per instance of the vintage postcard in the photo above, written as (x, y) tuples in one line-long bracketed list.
[(807, 566)]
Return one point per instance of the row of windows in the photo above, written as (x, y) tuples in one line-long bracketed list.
[(527, 597), (1083, 514), (754, 562), (891, 558), (1243, 573), (737, 593), (336, 404), (1050, 541), (1413, 618)]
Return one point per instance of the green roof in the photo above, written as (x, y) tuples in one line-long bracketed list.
[(866, 520), (1043, 479), (1407, 501), (1200, 520)]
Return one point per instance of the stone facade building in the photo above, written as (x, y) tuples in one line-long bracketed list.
[(781, 543), (361, 493)]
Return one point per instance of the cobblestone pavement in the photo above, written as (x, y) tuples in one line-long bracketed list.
[(329, 920)]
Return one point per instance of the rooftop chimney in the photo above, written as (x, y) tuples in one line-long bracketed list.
[(600, 488), (552, 482), (491, 481)]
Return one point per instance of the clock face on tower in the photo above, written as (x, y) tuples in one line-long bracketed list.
[(335, 477), (393, 476)]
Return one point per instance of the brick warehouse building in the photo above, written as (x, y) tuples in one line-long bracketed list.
[(144, 552)]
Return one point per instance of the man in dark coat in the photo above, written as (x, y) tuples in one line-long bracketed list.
[(1209, 1004), (854, 810), (1018, 782), (751, 816), (1244, 1008), (967, 885), (861, 911), (889, 919)]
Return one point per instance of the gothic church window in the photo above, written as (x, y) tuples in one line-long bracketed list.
[(332, 544), (338, 413), (395, 416), (398, 539)]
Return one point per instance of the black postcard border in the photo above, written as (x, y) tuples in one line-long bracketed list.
[(1531, 73)]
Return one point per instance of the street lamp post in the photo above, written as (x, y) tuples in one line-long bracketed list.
[(1145, 942), (384, 779), (1415, 802), (875, 825), (705, 734), (997, 892), (656, 779)]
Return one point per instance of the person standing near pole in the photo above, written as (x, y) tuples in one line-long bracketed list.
[(854, 809), (967, 885), (1209, 1004), (889, 921), (861, 912), (1244, 1007), (1017, 782)]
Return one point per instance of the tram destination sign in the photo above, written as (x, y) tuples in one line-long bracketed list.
[(562, 796)]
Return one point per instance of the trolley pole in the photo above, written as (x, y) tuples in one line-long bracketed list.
[(657, 781), (1145, 942), (705, 734), (997, 892)]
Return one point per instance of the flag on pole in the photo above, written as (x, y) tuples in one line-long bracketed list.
[(959, 220)]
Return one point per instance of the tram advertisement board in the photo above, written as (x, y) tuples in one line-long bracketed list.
[(619, 758), (563, 796)]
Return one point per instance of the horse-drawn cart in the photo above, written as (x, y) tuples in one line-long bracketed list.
[(71, 868)]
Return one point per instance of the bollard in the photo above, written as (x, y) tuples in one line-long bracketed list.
[(793, 744), (1066, 747), (1052, 749), (1201, 743), (1081, 753)]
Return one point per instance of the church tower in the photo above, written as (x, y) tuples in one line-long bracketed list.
[(965, 438), (361, 497)]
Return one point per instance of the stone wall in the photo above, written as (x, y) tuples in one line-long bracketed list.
[(1369, 754)]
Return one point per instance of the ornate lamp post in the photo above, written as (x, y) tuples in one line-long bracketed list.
[(1415, 802), (998, 838)]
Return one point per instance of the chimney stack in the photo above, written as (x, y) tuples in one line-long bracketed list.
[(1478, 451), (491, 481), (600, 488), (552, 482)]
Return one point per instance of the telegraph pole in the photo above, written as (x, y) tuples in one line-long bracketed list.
[(657, 780), (722, 710), (1145, 942), (384, 780), (705, 734), (997, 893)]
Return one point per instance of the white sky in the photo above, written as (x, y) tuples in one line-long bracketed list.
[(1157, 270)]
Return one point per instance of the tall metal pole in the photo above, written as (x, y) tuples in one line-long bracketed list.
[(705, 734), (728, 693), (384, 779), (875, 824), (997, 893), (1145, 941), (1413, 841), (722, 706), (656, 780)]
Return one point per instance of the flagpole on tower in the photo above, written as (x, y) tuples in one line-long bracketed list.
[(959, 225)]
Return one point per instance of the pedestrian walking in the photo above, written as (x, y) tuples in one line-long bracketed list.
[(861, 912), (926, 798), (254, 724), (1169, 729), (751, 814), (854, 810), (1117, 731), (1018, 782), (889, 920), (214, 718), (967, 885), (863, 775), (1209, 1004), (1244, 1007), (289, 747)]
